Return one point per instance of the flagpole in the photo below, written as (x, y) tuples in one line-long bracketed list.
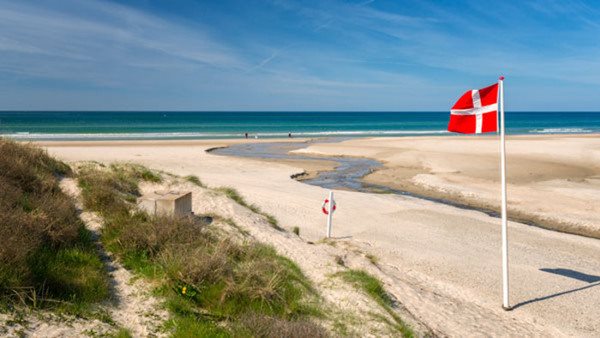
[(330, 214), (505, 300)]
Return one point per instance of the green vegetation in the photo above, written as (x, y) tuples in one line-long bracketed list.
[(296, 230), (235, 195), (194, 180), (214, 286), (231, 222), (369, 284), (135, 171), (373, 287), (122, 333), (47, 257)]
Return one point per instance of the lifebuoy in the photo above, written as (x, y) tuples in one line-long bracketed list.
[(324, 209)]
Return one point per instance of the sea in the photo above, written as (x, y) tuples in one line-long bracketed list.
[(129, 125)]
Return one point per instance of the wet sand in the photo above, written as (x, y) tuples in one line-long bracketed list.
[(553, 181)]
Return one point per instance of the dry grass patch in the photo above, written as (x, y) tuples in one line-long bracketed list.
[(235, 195), (47, 257), (373, 259)]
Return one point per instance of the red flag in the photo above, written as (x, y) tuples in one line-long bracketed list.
[(475, 112)]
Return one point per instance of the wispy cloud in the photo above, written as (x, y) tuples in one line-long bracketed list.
[(101, 34)]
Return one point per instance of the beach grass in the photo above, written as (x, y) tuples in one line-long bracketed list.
[(235, 195), (374, 289), (47, 257), (121, 333), (195, 180), (136, 171), (372, 258), (213, 285)]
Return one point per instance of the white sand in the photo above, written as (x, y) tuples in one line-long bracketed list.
[(442, 263)]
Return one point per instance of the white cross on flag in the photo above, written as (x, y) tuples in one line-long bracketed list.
[(475, 112)]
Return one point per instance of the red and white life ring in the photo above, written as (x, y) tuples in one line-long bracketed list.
[(324, 206)]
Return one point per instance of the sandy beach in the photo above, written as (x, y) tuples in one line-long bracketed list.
[(442, 263), (553, 181)]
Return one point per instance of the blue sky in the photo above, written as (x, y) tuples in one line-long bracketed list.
[(296, 55)]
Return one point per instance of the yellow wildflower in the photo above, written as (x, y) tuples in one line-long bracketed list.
[(183, 290)]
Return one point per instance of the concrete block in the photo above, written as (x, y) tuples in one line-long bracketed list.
[(174, 203)]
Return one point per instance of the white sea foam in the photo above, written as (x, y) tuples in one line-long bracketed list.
[(192, 135), (561, 131), (108, 136)]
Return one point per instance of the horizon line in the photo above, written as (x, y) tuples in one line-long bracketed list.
[(278, 111)]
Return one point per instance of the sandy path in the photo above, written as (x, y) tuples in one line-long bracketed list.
[(442, 263), (132, 305)]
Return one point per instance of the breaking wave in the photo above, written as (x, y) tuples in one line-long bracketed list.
[(561, 131), (197, 135)]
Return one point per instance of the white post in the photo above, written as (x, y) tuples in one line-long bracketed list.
[(330, 214), (505, 302)]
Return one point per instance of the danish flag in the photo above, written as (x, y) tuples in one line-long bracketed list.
[(475, 112)]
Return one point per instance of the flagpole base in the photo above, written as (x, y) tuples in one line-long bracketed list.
[(507, 308)]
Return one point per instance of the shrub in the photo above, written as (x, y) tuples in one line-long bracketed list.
[(105, 192), (70, 272), (206, 277), (46, 252)]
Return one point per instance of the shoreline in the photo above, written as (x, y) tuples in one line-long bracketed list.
[(283, 138), (195, 142)]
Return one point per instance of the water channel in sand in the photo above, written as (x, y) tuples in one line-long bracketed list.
[(348, 174)]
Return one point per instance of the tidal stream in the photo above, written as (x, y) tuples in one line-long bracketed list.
[(347, 175)]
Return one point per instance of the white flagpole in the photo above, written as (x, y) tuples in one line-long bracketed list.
[(505, 301), (330, 214)]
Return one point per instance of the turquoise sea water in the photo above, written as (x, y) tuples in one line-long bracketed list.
[(197, 125)]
